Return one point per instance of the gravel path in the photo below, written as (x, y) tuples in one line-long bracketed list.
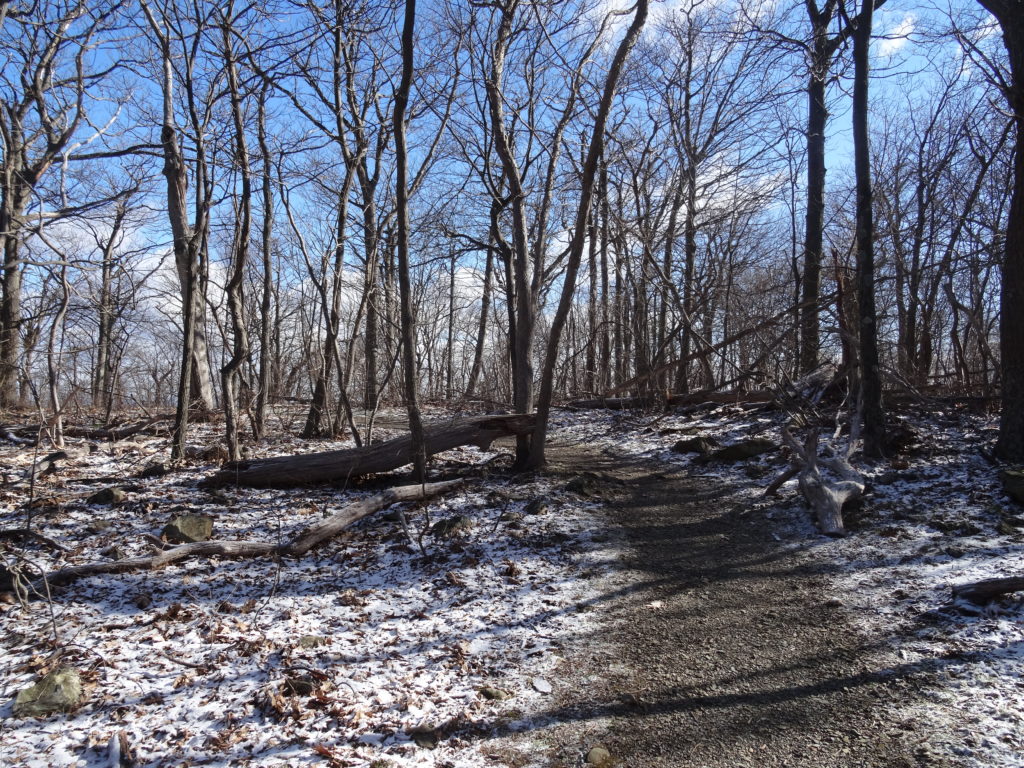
[(718, 645)]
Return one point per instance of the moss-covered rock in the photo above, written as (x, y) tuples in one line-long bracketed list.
[(59, 691)]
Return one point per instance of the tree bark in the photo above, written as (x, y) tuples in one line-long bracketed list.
[(870, 374), (1010, 446), (536, 456), (343, 465), (408, 320)]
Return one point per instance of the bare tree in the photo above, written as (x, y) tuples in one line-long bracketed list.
[(1010, 15)]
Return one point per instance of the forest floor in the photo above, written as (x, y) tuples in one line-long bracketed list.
[(630, 604)]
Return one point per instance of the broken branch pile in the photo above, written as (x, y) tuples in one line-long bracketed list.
[(297, 547)]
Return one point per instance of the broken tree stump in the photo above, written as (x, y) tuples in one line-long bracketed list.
[(345, 464)]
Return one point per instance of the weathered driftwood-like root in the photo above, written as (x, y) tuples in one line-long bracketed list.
[(825, 494), (312, 537), (335, 466), (980, 592)]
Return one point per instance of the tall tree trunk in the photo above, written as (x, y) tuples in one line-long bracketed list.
[(240, 249), (870, 374), (266, 247), (481, 331), (1010, 446), (408, 321), (587, 184)]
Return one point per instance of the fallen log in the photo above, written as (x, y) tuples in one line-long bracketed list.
[(981, 592), (342, 465), (41, 468), (115, 433), (671, 401), (311, 537)]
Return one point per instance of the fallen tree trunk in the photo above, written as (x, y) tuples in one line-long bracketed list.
[(671, 401), (334, 466), (306, 540), (115, 433), (41, 468), (981, 592)]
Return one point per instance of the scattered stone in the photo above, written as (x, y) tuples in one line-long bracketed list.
[(695, 445), (1013, 484), (219, 496), (537, 507), (1006, 528), (99, 525), (108, 496), (541, 685), (298, 686), (427, 738), (59, 691), (185, 529), (494, 694), (451, 527), (599, 756), (155, 469), (747, 449), (312, 641)]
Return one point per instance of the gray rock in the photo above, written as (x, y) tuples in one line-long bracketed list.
[(108, 496), (453, 526), (1013, 484), (494, 694), (99, 525), (185, 529), (695, 445), (155, 469), (59, 691), (747, 449), (537, 507), (599, 756)]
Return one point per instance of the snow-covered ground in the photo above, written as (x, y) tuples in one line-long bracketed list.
[(933, 517), (362, 653), (367, 653)]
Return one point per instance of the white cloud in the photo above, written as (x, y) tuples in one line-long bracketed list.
[(896, 37)]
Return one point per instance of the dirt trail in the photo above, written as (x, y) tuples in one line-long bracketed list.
[(719, 646)]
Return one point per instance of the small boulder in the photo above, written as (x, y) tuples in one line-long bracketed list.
[(451, 527), (599, 756), (108, 496), (99, 525), (155, 469), (1013, 484), (746, 449), (494, 694), (537, 507), (59, 691), (695, 445), (185, 529)]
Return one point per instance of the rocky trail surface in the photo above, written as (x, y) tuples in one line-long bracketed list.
[(717, 645)]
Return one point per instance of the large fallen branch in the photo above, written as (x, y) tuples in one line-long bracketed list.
[(980, 592), (297, 547), (670, 401), (334, 466)]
